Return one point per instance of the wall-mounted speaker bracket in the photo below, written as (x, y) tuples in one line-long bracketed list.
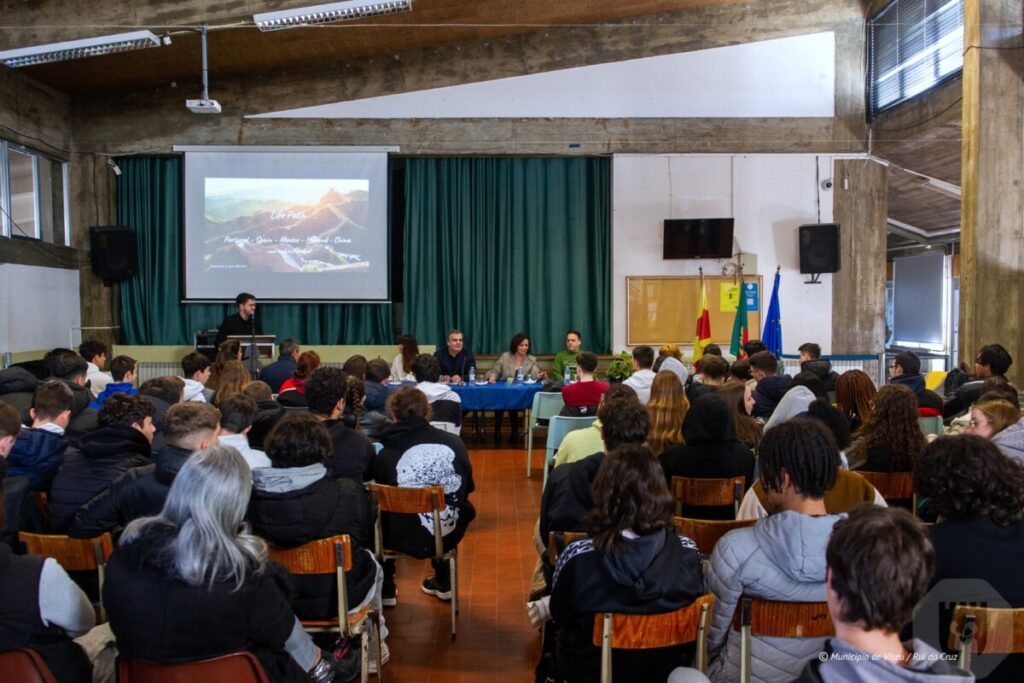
[(815, 279)]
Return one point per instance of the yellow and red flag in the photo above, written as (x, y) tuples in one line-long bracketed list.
[(702, 337)]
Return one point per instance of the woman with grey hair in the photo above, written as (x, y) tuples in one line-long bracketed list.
[(191, 583)]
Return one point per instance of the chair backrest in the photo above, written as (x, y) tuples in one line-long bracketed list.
[(240, 667), (331, 555), (986, 630), (614, 631), (546, 404), (73, 554), (407, 500), (24, 666), (560, 540), (777, 619), (891, 485), (930, 425), (706, 532), (708, 492), (560, 426)]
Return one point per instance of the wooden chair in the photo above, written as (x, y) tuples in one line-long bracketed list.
[(427, 500), (706, 532), (24, 666), (334, 556), (986, 630), (559, 541), (893, 486), (613, 631), (708, 492), (239, 667), (74, 555), (776, 619)]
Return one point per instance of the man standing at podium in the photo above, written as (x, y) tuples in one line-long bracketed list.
[(241, 323)]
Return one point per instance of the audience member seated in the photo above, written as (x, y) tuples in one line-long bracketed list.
[(455, 359), (10, 427), (237, 413), (669, 350), (268, 412), (355, 366), (892, 440), (122, 441), (352, 454), (296, 501), (227, 350), (42, 609), (739, 371), (582, 397), (633, 562), (793, 404), (161, 393), (580, 443), (293, 390), (567, 498), (516, 362), (675, 366), (283, 368), (415, 455), (781, 557), (906, 370), (667, 409), (17, 387), (401, 366), (771, 387), (753, 346), (375, 387), (879, 564), (70, 368), (808, 379), (188, 427), (999, 422), (123, 372), (191, 583), (739, 396), (992, 360), (811, 361), (95, 355), (355, 396), (855, 397), (710, 451), (978, 495), (567, 357), (713, 371), (39, 450), (643, 377), (233, 377), (196, 370), (445, 404), (838, 425)]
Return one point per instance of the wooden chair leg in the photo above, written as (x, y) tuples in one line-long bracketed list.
[(606, 649), (453, 577)]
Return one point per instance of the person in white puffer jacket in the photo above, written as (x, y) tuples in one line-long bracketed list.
[(782, 557)]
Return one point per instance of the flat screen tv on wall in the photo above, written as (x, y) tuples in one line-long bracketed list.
[(688, 238)]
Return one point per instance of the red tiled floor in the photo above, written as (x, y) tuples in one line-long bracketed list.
[(496, 560)]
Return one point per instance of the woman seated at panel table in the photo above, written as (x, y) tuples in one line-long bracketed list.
[(514, 361)]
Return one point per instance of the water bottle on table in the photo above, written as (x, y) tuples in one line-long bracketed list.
[(472, 375), (567, 379), (519, 375)]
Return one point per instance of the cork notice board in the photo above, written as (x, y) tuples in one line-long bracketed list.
[(663, 309)]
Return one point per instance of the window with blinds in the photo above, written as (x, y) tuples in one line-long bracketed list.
[(912, 45)]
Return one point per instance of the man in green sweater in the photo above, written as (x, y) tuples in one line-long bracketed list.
[(566, 358)]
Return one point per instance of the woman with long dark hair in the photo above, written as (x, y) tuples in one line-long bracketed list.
[(892, 439), (740, 398), (632, 562), (293, 390), (401, 367), (514, 362), (191, 583), (978, 495), (233, 377)]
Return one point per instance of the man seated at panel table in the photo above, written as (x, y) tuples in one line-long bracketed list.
[(455, 359)]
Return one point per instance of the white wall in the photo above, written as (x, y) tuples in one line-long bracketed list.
[(38, 307), (768, 195)]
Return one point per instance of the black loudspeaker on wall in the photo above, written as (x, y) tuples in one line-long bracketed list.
[(113, 253), (819, 248)]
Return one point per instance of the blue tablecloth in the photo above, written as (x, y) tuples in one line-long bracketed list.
[(497, 396)]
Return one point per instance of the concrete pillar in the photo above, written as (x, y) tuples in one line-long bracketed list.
[(860, 206), (992, 179)]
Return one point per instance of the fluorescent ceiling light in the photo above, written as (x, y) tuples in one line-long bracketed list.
[(76, 49), (326, 14)]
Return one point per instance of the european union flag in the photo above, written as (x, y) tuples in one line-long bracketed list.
[(772, 336)]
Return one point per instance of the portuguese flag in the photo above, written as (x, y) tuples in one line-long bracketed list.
[(740, 329)]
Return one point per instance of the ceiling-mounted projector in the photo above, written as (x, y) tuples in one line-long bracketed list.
[(203, 106)]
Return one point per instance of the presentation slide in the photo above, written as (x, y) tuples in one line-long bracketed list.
[(286, 225)]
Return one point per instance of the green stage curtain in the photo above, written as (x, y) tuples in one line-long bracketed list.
[(149, 200), (495, 246)]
